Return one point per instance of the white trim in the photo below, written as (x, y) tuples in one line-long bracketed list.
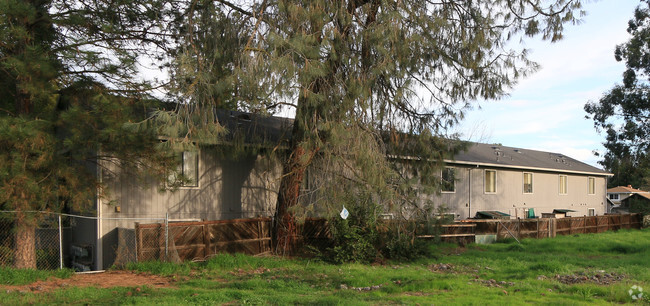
[(485, 182), (532, 182)]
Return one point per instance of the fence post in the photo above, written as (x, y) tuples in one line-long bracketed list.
[(206, 240), (60, 245), (138, 240), (166, 236), (498, 231)]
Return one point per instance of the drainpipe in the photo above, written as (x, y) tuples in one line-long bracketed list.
[(99, 248), (469, 191)]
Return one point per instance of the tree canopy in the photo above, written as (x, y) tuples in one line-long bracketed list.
[(69, 83), (623, 113), (371, 81)]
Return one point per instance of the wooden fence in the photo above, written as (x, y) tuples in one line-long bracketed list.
[(199, 240), (551, 227)]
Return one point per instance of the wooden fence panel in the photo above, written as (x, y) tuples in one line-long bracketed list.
[(602, 224), (551, 227), (199, 240), (563, 226)]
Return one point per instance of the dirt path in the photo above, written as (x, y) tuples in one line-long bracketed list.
[(108, 279)]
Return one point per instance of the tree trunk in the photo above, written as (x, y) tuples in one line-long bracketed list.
[(25, 243), (302, 152), (286, 230)]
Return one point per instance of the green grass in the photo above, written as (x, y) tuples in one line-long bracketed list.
[(10, 276), (528, 269)]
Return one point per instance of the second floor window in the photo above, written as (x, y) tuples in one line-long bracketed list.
[(490, 181), (564, 185), (528, 182)]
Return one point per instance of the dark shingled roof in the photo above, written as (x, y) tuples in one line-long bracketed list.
[(254, 128), (509, 157), (270, 130)]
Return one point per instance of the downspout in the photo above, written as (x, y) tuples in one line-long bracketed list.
[(99, 250), (606, 196), (469, 193)]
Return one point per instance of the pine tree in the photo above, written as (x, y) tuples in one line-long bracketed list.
[(68, 81), (375, 80)]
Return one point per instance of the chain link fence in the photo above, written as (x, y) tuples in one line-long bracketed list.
[(55, 241), (40, 242)]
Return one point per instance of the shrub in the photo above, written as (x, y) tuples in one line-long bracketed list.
[(364, 238)]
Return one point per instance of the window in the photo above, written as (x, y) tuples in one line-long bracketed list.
[(592, 185), (613, 196), (591, 212), (490, 181), (528, 182), (187, 174), (448, 180), (564, 186)]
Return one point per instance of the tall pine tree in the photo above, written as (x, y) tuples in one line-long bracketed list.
[(375, 80), (68, 85)]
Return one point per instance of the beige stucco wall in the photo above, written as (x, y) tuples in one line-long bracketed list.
[(510, 198)]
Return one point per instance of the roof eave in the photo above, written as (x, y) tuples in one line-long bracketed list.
[(480, 164)]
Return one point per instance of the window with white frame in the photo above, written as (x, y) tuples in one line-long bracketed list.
[(591, 212), (613, 196), (187, 173), (564, 184), (592, 185), (528, 182), (490, 181), (448, 179)]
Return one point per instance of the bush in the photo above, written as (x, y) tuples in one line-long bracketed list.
[(354, 239), (363, 238), (353, 243)]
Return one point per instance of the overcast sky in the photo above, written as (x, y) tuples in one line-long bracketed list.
[(545, 111)]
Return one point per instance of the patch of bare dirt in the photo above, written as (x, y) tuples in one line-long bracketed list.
[(494, 283), (441, 267), (600, 278), (109, 279)]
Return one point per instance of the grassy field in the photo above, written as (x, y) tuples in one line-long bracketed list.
[(580, 269)]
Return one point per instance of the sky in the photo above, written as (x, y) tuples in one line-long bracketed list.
[(545, 111)]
